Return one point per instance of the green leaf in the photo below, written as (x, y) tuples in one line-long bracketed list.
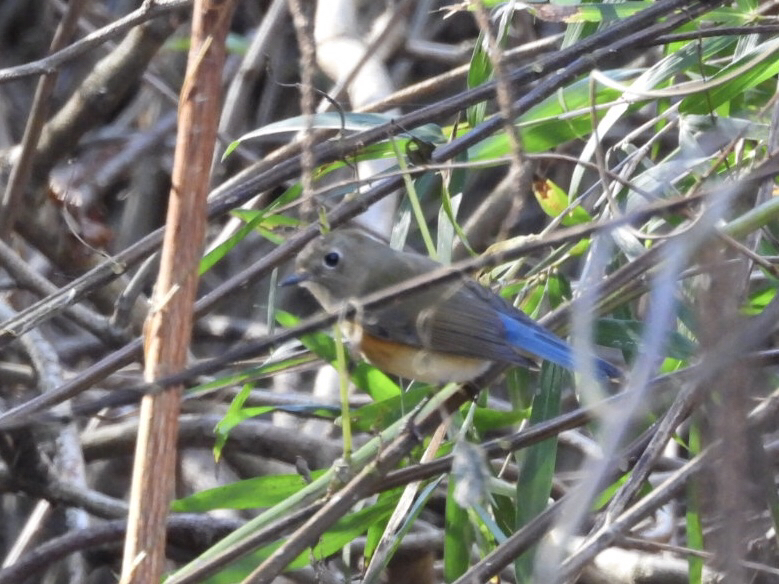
[(231, 419), (626, 335), (554, 201), (246, 494), (377, 529), (485, 419), (755, 67), (374, 382), (252, 374), (479, 71), (346, 121), (537, 463), (383, 413), (458, 536), (759, 299), (606, 494), (366, 377), (695, 498)]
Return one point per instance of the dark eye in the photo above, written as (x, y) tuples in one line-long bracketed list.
[(331, 259)]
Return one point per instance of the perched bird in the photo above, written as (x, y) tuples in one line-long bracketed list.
[(451, 331)]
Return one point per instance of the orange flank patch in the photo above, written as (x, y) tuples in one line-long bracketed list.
[(420, 364)]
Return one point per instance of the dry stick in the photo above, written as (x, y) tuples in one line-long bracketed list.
[(417, 92), (169, 326), (304, 34), (25, 276), (256, 437), (64, 493)]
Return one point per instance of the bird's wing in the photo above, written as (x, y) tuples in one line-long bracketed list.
[(456, 318), (524, 334), (464, 318)]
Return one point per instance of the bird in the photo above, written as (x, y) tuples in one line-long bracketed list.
[(446, 332)]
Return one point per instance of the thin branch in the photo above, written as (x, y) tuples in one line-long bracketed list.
[(53, 62), (169, 326)]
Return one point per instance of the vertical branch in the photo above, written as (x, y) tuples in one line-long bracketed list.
[(720, 296), (305, 37), (521, 169), (169, 325)]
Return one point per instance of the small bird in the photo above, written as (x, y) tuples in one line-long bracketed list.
[(452, 331)]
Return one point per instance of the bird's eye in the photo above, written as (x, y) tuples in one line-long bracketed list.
[(332, 258)]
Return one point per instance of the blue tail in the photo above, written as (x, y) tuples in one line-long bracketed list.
[(532, 338)]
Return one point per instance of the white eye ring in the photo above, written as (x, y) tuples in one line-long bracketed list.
[(331, 259)]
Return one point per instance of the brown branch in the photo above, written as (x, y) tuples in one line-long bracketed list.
[(169, 327)]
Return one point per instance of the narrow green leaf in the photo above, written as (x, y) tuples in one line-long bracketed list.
[(458, 536), (485, 419), (479, 71), (250, 493), (216, 254), (383, 413), (693, 517), (537, 463), (755, 67), (344, 121), (377, 528)]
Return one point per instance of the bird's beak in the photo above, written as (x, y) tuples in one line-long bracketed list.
[(294, 278)]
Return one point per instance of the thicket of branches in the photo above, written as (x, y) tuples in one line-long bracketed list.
[(608, 168)]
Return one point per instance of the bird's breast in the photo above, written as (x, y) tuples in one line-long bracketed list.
[(414, 362)]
